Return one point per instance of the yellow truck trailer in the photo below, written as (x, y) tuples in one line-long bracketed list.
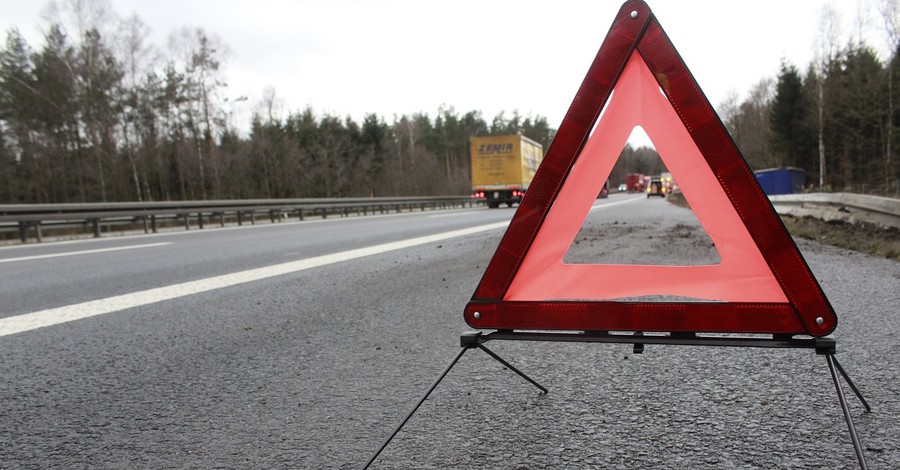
[(503, 166)]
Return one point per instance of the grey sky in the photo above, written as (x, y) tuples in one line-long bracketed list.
[(395, 57)]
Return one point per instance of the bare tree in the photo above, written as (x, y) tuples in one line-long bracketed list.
[(748, 123), (200, 55), (888, 10), (82, 16), (826, 51), (135, 56)]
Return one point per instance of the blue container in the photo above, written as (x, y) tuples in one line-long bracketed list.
[(787, 180)]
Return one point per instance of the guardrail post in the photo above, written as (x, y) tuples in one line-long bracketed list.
[(37, 231), (187, 221), (153, 223), (200, 220), (144, 223), (252, 218), (23, 231), (221, 218), (300, 214), (95, 224)]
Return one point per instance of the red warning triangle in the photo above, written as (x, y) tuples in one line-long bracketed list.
[(761, 285)]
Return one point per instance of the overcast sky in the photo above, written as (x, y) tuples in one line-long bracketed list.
[(394, 57)]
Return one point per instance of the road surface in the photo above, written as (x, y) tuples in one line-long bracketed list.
[(301, 345)]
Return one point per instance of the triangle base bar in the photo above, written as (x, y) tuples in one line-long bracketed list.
[(825, 346), (706, 317)]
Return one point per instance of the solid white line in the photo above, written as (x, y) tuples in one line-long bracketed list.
[(84, 252), (616, 203), (456, 213), (55, 316)]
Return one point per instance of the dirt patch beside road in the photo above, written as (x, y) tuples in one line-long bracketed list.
[(860, 236)]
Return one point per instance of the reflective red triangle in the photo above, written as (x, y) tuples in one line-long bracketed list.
[(762, 285)]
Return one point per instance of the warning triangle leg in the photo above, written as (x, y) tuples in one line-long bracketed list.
[(832, 364), (475, 339), (851, 384), (469, 340), (416, 407), (510, 367)]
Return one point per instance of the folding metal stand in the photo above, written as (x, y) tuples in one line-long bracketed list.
[(823, 346)]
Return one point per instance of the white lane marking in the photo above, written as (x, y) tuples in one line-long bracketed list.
[(593, 208), (453, 214), (616, 203), (83, 252), (54, 316)]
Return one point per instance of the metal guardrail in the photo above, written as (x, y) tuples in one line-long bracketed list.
[(36, 217), (847, 207)]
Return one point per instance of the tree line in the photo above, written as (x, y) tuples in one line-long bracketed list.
[(97, 113), (306, 156), (837, 119)]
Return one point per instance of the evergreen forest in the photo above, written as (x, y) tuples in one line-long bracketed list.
[(87, 116)]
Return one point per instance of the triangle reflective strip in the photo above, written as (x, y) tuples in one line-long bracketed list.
[(780, 294)]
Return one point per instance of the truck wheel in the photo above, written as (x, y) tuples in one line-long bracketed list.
[(508, 204), (493, 205)]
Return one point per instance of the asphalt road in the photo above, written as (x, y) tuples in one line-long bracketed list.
[(312, 366)]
